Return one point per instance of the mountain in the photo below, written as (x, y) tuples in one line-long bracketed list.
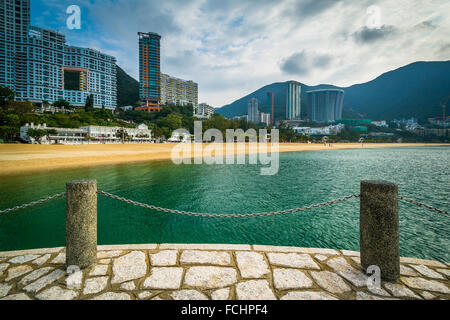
[(127, 88), (415, 90)]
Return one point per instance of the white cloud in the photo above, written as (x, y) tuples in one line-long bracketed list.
[(234, 47)]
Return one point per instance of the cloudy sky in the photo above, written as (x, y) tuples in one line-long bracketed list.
[(233, 47)]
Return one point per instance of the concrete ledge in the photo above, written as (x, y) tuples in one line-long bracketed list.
[(294, 249), (127, 247), (30, 251), (223, 247), (213, 271), (235, 247)]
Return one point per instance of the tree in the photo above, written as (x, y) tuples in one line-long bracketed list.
[(123, 135), (6, 96), (45, 104), (62, 104), (51, 132), (22, 107), (9, 133), (12, 120), (89, 105), (37, 134), (172, 121)]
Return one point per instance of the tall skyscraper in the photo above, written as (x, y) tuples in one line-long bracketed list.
[(14, 22), (39, 65), (325, 105), (293, 100), (149, 68), (253, 111)]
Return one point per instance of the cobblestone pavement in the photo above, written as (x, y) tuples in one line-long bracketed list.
[(218, 272)]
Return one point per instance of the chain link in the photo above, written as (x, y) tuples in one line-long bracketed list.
[(423, 205), (32, 203), (210, 215)]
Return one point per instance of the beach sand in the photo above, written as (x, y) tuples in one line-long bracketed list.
[(24, 158)]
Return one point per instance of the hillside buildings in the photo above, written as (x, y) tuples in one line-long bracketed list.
[(39, 66), (293, 100), (149, 109), (382, 124), (157, 89), (178, 91), (244, 117), (323, 131), (149, 69), (253, 111), (325, 105), (265, 118), (90, 135), (203, 111)]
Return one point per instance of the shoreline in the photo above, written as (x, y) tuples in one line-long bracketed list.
[(24, 158)]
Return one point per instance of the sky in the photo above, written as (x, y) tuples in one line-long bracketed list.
[(233, 47)]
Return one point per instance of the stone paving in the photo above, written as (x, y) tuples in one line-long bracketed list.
[(217, 272)]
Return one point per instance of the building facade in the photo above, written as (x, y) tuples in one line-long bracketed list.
[(150, 68), (149, 109), (293, 100), (178, 91), (14, 22), (265, 118), (203, 111), (325, 105), (253, 111), (39, 65), (330, 130), (89, 134)]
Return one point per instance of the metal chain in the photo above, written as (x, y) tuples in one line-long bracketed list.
[(32, 203), (420, 204), (210, 215)]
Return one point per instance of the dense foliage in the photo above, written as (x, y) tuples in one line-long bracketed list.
[(14, 114), (127, 89)]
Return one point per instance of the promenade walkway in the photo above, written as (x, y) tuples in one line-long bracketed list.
[(218, 272)]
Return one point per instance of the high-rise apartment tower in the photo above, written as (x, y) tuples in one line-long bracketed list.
[(149, 68)]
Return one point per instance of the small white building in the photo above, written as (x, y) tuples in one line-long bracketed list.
[(322, 131), (203, 111), (72, 135), (382, 123), (180, 137), (89, 134), (245, 117), (265, 118), (127, 108)]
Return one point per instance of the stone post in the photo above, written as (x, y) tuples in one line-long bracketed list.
[(379, 234), (81, 223)]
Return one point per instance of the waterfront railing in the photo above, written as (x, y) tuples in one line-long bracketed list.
[(379, 222)]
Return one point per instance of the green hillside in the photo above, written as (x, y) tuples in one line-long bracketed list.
[(415, 90), (127, 89)]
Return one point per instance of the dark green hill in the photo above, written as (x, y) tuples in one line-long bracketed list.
[(127, 89), (415, 90)]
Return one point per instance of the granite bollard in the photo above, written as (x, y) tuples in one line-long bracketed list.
[(81, 223), (379, 228)]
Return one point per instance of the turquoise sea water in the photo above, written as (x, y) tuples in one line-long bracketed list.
[(304, 178)]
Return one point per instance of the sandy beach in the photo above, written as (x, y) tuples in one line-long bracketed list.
[(23, 158)]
